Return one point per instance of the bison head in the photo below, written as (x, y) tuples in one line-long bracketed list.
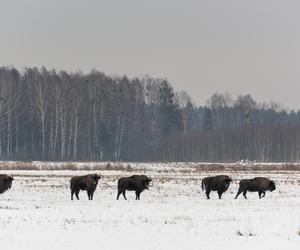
[(272, 186), (95, 178), (227, 182), (146, 182), (10, 179)]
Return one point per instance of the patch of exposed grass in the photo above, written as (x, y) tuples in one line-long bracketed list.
[(188, 168)]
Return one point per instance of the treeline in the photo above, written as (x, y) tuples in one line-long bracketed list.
[(49, 115)]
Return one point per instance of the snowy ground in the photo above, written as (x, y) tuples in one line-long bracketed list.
[(37, 213)]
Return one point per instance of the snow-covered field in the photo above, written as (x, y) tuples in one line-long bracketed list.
[(37, 213)]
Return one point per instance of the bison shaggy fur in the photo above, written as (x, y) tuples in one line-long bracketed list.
[(137, 183), (5, 182), (258, 184), (87, 182), (219, 183)]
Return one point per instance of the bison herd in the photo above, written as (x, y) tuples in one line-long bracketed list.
[(220, 183), (139, 183)]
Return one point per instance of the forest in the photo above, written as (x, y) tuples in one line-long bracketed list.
[(63, 116)]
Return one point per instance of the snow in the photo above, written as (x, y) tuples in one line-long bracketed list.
[(37, 212)]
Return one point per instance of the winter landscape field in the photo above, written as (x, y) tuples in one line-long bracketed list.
[(37, 213)]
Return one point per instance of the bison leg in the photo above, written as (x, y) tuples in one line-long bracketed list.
[(244, 193), (72, 193), (76, 194), (124, 192), (220, 194), (263, 194), (119, 192), (137, 195), (259, 194), (238, 193), (207, 193), (89, 193), (92, 195)]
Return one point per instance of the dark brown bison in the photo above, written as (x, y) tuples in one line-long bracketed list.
[(5, 182), (258, 184), (219, 183), (137, 183), (87, 182)]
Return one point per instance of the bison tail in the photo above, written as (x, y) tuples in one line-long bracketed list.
[(202, 184)]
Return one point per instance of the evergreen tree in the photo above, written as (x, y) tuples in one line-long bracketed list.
[(207, 119), (171, 116)]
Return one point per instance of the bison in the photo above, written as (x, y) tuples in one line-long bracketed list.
[(5, 182), (258, 184), (87, 182), (137, 183), (219, 183)]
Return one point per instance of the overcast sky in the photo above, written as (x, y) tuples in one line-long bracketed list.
[(200, 46)]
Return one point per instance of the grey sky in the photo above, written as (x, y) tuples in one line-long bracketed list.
[(200, 46)]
